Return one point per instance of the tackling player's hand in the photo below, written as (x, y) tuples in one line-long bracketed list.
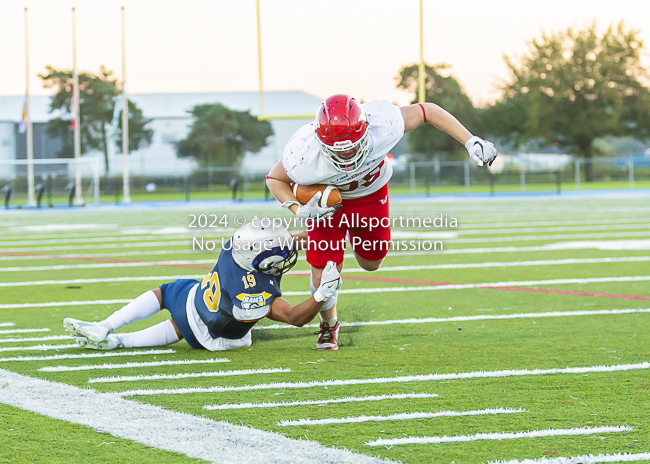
[(481, 151), (330, 282), (312, 210)]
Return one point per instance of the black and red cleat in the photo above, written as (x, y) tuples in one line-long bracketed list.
[(328, 337)]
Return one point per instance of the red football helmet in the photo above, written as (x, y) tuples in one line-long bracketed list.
[(343, 132)]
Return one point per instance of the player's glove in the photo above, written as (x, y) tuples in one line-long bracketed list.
[(330, 282), (481, 151), (312, 210)]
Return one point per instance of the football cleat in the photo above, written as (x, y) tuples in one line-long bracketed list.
[(328, 337), (93, 331), (111, 342)]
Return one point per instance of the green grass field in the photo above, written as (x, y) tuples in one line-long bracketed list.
[(538, 284)]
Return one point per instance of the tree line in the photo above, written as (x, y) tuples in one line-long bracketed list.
[(568, 89)]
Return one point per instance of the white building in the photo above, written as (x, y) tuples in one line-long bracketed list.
[(171, 121)]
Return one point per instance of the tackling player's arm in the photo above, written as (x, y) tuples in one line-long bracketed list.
[(302, 313), (480, 151), (298, 315)]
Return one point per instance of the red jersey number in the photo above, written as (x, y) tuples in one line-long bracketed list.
[(365, 181)]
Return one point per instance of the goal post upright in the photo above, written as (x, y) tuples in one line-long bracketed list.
[(261, 116), (29, 128), (77, 128), (259, 59), (126, 174), (421, 69)]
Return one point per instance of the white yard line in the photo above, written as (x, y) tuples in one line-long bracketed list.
[(17, 331), (196, 437), (188, 375), (482, 317), (541, 262), (397, 417), (108, 354), (347, 399), (36, 339), (97, 255), (515, 283), (156, 244), (499, 436), (128, 365), (107, 265), (584, 459), (65, 303), (524, 230), (169, 232), (39, 347), (599, 245), (385, 380), (7, 324), (543, 237), (104, 280), (410, 225), (106, 238), (608, 245), (493, 225)]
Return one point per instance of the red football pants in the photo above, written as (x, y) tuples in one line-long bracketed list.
[(365, 220)]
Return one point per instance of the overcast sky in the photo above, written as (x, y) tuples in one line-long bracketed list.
[(321, 47)]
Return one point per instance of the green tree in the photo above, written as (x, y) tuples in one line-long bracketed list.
[(446, 92), (573, 87), (96, 103), (220, 136)]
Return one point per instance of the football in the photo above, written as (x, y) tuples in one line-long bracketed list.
[(304, 193)]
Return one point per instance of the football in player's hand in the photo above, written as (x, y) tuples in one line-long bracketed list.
[(331, 195)]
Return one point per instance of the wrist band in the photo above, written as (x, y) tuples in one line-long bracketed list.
[(424, 113)]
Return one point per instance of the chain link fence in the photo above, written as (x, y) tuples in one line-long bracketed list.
[(435, 177), (464, 176)]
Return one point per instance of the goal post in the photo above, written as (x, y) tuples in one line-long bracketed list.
[(55, 178)]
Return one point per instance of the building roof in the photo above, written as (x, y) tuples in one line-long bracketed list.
[(177, 105)]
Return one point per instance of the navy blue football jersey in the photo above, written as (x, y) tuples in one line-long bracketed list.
[(230, 300)]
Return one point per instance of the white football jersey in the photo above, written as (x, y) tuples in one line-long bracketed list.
[(305, 164)]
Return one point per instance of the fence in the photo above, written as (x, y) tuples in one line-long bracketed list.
[(435, 177), (463, 176), (54, 181)]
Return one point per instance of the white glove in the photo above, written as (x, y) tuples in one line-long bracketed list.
[(481, 151), (330, 282), (313, 211)]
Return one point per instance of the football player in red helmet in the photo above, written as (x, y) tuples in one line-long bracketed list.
[(347, 146), (343, 132)]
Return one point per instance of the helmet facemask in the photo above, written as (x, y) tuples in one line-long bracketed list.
[(347, 156), (276, 261)]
